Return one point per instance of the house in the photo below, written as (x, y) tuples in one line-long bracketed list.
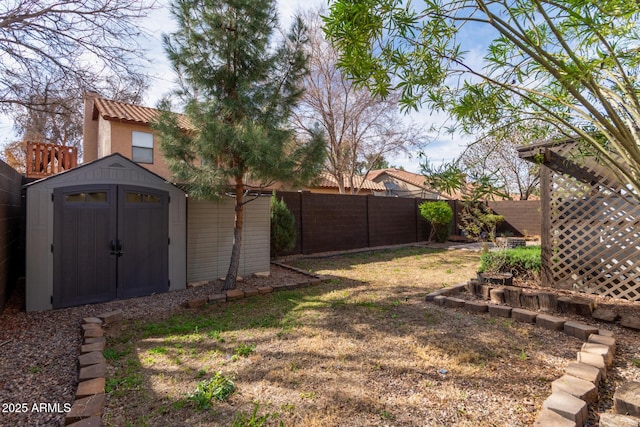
[(327, 184), (400, 183), (90, 228)]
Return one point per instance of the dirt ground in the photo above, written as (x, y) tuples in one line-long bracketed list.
[(364, 349)]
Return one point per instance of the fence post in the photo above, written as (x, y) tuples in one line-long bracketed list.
[(366, 208)]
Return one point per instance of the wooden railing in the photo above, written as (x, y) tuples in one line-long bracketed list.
[(49, 159)]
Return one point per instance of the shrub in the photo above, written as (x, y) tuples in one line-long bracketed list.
[(219, 387), (439, 215), (283, 227), (523, 261)]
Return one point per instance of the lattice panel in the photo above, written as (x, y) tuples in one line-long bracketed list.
[(594, 236)]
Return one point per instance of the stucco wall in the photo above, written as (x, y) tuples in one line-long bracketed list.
[(121, 143)]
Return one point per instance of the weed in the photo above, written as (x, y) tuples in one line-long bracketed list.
[(288, 407), (219, 387), (201, 373), (244, 350), (294, 366), (523, 355), (216, 335), (308, 395), (35, 370), (636, 362), (243, 419)]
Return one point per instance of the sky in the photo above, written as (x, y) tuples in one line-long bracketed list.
[(444, 147)]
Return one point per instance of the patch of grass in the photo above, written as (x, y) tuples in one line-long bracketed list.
[(244, 350), (121, 385), (114, 354), (521, 261), (430, 318), (216, 335), (35, 370), (243, 419), (158, 350), (219, 388), (387, 415), (636, 362)]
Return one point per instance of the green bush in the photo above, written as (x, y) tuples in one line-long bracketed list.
[(522, 261), (439, 214), (283, 227)]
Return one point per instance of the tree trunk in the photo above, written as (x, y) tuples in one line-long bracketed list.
[(232, 273)]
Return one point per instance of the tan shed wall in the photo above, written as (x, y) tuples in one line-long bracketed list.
[(210, 238)]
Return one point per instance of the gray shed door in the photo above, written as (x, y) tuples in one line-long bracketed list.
[(110, 241)]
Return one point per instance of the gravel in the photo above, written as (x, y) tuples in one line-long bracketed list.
[(39, 350)]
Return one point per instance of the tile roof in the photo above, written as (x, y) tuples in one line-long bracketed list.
[(326, 180), (121, 111), (410, 177)]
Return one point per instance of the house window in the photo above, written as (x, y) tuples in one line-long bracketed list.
[(141, 147)]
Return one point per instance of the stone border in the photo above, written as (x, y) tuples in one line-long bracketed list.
[(90, 399), (571, 393), (235, 294)]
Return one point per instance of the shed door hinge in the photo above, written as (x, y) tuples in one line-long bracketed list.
[(169, 241), (52, 248), (169, 284), (51, 299), (52, 197)]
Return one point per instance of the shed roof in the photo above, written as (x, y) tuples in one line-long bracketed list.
[(115, 160)]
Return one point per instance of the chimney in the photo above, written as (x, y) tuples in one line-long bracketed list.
[(90, 128)]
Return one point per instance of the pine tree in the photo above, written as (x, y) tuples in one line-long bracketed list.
[(238, 86)]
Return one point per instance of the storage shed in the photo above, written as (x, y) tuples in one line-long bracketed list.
[(106, 230)]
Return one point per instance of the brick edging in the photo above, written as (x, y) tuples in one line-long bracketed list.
[(571, 393), (235, 294), (90, 397)]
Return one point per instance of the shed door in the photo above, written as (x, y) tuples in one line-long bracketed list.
[(109, 242)]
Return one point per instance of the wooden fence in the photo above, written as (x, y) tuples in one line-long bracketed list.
[(332, 222), (49, 159)]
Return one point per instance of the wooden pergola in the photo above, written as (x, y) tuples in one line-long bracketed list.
[(590, 232)]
